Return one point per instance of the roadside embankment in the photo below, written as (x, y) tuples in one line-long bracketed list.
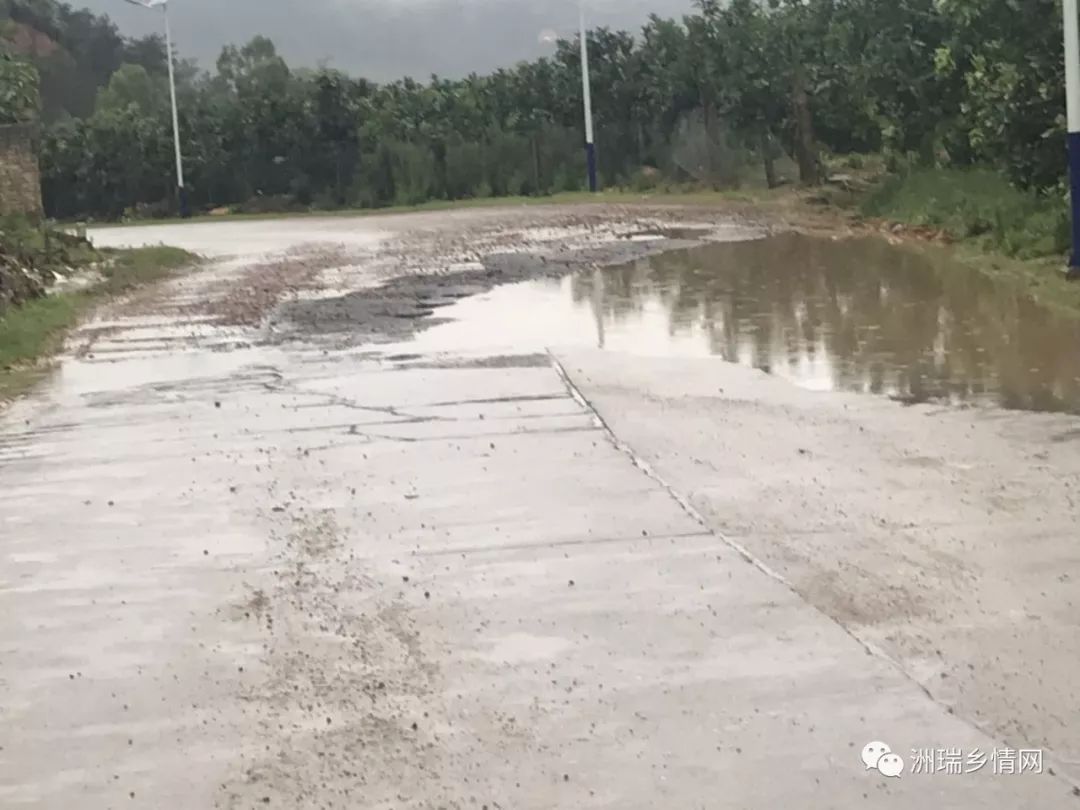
[(49, 280)]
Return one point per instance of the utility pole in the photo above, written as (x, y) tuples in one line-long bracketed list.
[(182, 195), (1072, 100), (590, 145), (185, 206)]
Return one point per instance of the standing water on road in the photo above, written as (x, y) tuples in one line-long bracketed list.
[(854, 315)]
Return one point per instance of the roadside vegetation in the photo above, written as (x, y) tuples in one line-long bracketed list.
[(975, 205), (49, 280), (727, 96)]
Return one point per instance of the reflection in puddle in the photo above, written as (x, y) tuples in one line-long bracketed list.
[(856, 315)]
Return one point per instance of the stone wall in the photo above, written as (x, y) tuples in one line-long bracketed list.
[(20, 179)]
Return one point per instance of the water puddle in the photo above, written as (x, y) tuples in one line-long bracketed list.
[(852, 315)]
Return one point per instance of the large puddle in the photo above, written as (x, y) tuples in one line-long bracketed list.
[(853, 315)]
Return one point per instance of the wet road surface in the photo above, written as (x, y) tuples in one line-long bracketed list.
[(254, 557), (828, 315)]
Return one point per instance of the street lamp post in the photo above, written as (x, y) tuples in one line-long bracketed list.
[(590, 145), (1072, 102), (185, 208)]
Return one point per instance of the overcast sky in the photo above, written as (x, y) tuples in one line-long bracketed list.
[(383, 39)]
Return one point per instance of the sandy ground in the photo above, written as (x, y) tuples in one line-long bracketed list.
[(257, 552)]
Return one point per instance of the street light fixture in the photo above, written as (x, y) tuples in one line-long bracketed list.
[(185, 209), (590, 145)]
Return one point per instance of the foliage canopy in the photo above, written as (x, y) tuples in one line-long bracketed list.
[(948, 83)]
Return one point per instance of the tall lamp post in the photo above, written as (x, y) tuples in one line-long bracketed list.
[(185, 208), (590, 145), (1072, 101)]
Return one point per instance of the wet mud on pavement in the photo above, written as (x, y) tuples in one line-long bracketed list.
[(404, 304), (308, 528)]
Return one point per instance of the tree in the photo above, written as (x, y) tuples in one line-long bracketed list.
[(254, 69), (949, 82), (133, 86), (337, 140), (75, 52), (1006, 67), (19, 100)]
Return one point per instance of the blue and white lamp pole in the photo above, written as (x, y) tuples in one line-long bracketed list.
[(185, 207), (1072, 101), (590, 144)]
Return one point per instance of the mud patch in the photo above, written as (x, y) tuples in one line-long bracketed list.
[(209, 389), (247, 299), (406, 304), (536, 360)]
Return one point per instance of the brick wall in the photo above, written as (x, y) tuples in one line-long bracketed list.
[(20, 180)]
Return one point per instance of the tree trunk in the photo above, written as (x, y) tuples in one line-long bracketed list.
[(536, 164), (339, 185), (710, 151), (805, 146), (768, 159)]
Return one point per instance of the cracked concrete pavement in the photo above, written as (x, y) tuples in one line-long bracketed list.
[(278, 561)]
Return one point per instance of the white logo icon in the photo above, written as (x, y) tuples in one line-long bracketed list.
[(878, 756), (891, 765)]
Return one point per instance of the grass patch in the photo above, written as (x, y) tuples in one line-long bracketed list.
[(975, 205), (132, 268), (36, 329)]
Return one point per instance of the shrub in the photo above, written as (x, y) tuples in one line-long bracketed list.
[(269, 204), (975, 204)]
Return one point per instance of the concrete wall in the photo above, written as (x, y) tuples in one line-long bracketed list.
[(20, 179)]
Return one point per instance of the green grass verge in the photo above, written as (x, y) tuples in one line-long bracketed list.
[(975, 205), (36, 330)]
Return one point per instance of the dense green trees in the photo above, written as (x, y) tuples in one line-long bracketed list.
[(18, 91), (929, 82), (75, 52)]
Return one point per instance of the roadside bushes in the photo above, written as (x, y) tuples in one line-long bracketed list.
[(497, 163), (975, 204)]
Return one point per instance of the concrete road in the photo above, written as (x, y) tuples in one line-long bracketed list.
[(261, 546)]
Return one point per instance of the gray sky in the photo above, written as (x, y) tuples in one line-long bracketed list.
[(383, 39)]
